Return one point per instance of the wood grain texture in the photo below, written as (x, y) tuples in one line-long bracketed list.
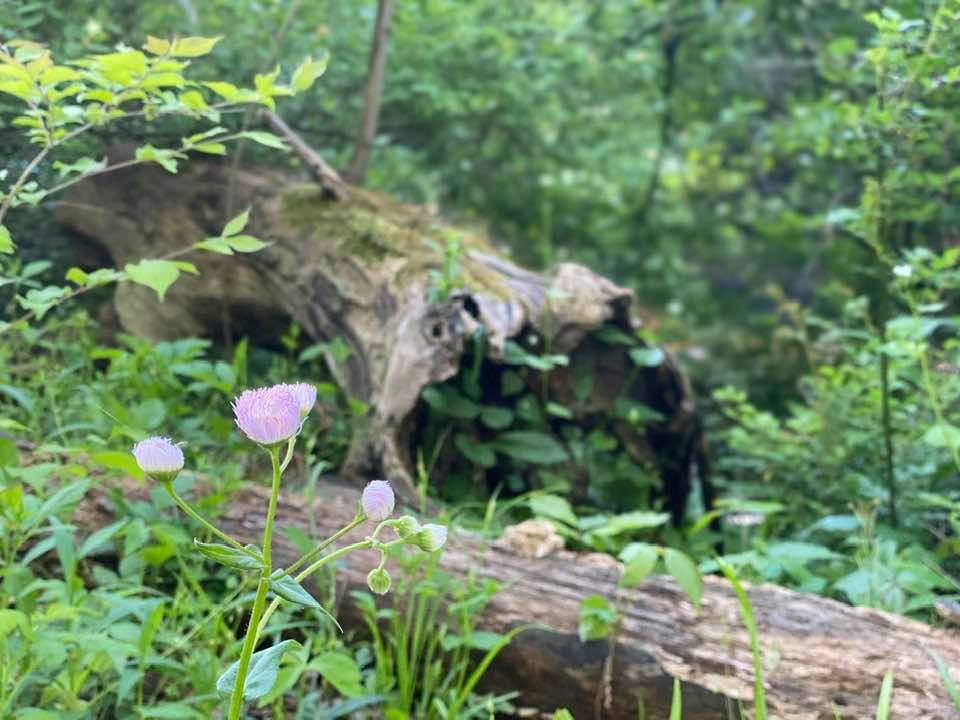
[(818, 654)]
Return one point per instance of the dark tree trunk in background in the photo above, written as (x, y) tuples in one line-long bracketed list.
[(351, 264), (817, 654), (372, 94)]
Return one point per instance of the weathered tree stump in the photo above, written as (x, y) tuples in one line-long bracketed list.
[(820, 657), (354, 265)]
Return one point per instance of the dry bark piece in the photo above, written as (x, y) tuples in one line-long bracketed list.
[(818, 654), (352, 264)]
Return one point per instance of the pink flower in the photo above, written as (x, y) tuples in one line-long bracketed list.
[(305, 394), (267, 416), (377, 500), (159, 458)]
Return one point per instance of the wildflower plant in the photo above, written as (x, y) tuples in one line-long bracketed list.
[(273, 418)]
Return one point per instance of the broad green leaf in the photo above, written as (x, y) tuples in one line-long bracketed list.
[(647, 356), (11, 620), (553, 507), (530, 446), (116, 460), (341, 671), (640, 559), (942, 435), (194, 100), (57, 73), (476, 452), (217, 245), (447, 401), (597, 618), (265, 138), (193, 46), (615, 336), (81, 166), (227, 91), (162, 80), (685, 572), (158, 275), (96, 540), (261, 674), (165, 158), (237, 224), (246, 243), (289, 589), (496, 418), (156, 46), (210, 148), (229, 556), (169, 711), (632, 521), (6, 242), (305, 75)]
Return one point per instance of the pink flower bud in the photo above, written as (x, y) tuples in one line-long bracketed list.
[(268, 416), (159, 458), (305, 394), (377, 500)]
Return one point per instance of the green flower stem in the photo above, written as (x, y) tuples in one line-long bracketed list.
[(345, 550), (182, 504), (289, 456), (250, 641), (309, 556)]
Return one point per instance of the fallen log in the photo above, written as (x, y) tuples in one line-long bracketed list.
[(349, 264), (821, 659)]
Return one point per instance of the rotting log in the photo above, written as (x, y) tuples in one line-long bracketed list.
[(821, 659), (352, 264)]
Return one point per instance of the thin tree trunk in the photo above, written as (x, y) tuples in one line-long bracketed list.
[(356, 173)]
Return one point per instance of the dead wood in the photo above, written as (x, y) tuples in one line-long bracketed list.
[(819, 656)]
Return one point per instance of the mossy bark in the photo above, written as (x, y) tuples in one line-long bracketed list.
[(357, 265)]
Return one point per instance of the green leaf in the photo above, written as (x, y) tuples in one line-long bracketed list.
[(309, 70), (629, 522), (886, 694), (265, 138), (11, 620), (647, 356), (942, 436), (447, 401), (339, 670), (496, 418), (156, 46), (640, 559), (553, 507), (165, 158), (261, 674), (597, 618), (81, 166), (530, 446), (477, 453), (615, 336), (158, 275), (193, 46), (101, 537), (289, 589), (227, 91), (685, 572), (948, 683), (210, 148), (237, 224), (246, 243), (229, 556), (6, 242), (217, 245)]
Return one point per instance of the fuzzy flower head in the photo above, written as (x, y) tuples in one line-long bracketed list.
[(268, 416), (377, 500), (431, 537), (159, 458), (306, 396)]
